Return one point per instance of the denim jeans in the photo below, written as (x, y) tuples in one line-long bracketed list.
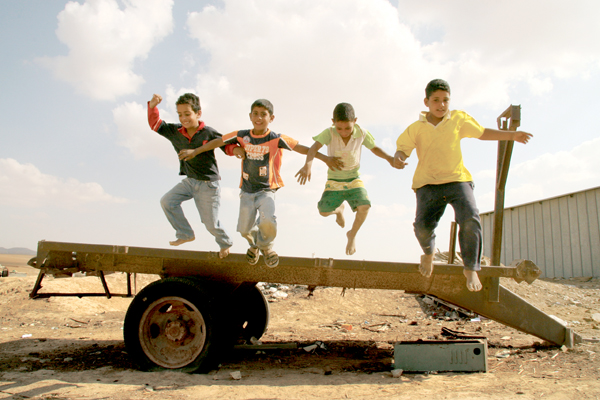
[(206, 195), (260, 230), (431, 203)]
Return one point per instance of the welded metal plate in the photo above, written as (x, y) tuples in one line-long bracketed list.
[(459, 355)]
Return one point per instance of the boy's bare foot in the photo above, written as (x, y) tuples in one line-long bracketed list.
[(473, 283), (224, 253), (339, 216), (180, 241), (426, 266), (351, 246)]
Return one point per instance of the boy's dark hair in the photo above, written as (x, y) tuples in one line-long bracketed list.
[(344, 112), (264, 103), (191, 99), (436, 84)]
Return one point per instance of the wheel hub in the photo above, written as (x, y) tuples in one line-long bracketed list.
[(175, 331)]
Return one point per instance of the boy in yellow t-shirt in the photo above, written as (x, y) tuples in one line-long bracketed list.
[(441, 178)]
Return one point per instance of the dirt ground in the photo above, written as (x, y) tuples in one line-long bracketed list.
[(72, 348)]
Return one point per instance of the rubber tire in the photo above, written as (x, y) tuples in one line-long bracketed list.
[(253, 312), (197, 305)]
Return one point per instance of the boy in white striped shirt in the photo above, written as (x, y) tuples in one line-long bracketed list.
[(344, 139)]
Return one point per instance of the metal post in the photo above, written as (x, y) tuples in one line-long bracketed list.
[(452, 246), (504, 154)]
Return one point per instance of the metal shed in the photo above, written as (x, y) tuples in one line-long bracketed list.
[(561, 235)]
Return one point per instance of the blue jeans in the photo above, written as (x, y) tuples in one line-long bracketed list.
[(206, 195), (431, 203), (260, 231)]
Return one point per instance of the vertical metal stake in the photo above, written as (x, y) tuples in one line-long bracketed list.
[(452, 246)]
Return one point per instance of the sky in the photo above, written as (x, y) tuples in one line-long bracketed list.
[(78, 162)]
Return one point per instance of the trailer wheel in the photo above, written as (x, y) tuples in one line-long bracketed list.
[(253, 313), (170, 325)]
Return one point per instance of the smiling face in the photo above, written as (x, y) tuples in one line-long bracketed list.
[(438, 104), (261, 118), (188, 117), (344, 128)]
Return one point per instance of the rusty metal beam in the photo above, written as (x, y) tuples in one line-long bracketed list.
[(446, 283)]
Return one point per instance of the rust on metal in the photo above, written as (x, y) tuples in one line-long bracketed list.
[(447, 281), (510, 120)]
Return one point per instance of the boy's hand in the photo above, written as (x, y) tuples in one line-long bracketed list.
[(393, 163), (334, 163), (156, 99), (398, 162), (186, 154), (304, 174), (239, 152), (522, 137)]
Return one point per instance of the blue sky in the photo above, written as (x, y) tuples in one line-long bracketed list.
[(78, 162)]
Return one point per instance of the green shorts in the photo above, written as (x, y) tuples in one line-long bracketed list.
[(336, 192)]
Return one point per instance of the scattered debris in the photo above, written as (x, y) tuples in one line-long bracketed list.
[(503, 354), (460, 335), (397, 373), (384, 326), (440, 309), (81, 322), (313, 347), (276, 291)]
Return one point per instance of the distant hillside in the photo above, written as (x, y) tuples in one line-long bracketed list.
[(17, 250)]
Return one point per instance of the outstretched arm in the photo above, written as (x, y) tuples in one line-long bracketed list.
[(517, 136), (400, 160), (305, 173), (382, 154), (188, 154), (334, 163)]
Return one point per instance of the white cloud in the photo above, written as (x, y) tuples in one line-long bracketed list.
[(546, 176), (562, 172), (509, 41), (105, 40), (135, 134), (306, 57), (25, 186)]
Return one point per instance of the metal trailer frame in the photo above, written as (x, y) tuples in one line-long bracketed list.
[(447, 281)]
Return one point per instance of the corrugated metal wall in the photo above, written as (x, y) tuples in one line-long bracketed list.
[(561, 235)]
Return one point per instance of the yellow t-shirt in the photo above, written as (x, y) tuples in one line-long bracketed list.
[(438, 148)]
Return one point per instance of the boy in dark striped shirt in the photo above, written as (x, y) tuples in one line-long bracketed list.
[(260, 178)]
